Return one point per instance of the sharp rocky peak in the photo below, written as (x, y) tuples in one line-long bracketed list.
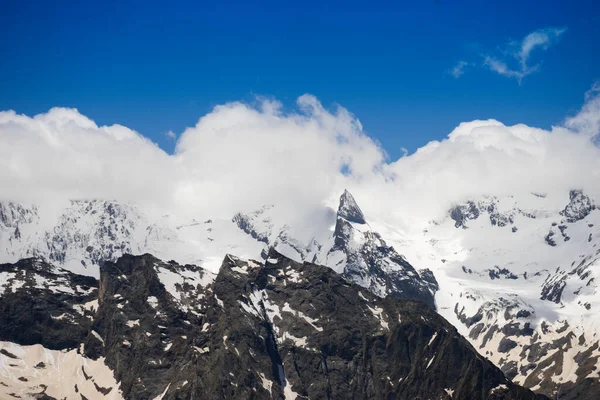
[(362, 256), (349, 209)]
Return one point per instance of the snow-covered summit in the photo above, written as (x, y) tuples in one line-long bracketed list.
[(348, 245)]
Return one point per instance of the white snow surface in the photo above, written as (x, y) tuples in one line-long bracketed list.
[(78, 234), (61, 372), (483, 248)]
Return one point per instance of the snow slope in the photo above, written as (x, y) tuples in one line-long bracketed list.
[(81, 234), (519, 278), (27, 371)]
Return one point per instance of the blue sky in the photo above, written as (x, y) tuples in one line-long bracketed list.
[(156, 67)]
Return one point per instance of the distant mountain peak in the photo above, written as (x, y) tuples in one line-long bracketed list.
[(349, 209)]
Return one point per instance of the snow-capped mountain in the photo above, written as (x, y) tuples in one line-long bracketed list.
[(519, 278), (517, 275), (351, 248), (82, 234), (275, 329)]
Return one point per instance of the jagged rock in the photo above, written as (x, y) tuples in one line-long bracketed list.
[(496, 217), (553, 288), (549, 239), (362, 256), (244, 222), (88, 232), (353, 250), (471, 210), (429, 278), (579, 207), (506, 345), (40, 303), (349, 210), (463, 213), (282, 329), (113, 227), (498, 272), (13, 214)]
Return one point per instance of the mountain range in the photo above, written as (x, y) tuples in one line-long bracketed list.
[(497, 299)]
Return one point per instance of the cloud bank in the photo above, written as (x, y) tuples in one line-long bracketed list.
[(240, 157)]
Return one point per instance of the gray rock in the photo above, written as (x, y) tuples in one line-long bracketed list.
[(272, 330)]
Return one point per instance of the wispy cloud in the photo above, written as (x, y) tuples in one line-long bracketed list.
[(514, 59), (520, 52), (171, 135), (593, 92), (459, 69)]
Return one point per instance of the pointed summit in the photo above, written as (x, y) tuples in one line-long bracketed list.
[(349, 210)]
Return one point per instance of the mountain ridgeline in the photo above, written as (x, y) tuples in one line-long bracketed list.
[(329, 310), (256, 330)]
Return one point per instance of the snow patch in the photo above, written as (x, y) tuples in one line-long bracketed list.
[(61, 373)]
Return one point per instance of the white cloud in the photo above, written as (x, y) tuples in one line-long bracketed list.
[(514, 60), (521, 52), (459, 69), (587, 121), (248, 156), (236, 157), (542, 38), (171, 135), (63, 153), (239, 157), (501, 68)]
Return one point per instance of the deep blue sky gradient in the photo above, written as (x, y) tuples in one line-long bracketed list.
[(159, 66)]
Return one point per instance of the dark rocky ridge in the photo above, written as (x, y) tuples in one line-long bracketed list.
[(470, 211), (45, 304), (298, 329)]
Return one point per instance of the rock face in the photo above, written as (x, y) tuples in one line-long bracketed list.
[(46, 313), (463, 213), (471, 210), (43, 304), (349, 210), (579, 207), (281, 329)]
